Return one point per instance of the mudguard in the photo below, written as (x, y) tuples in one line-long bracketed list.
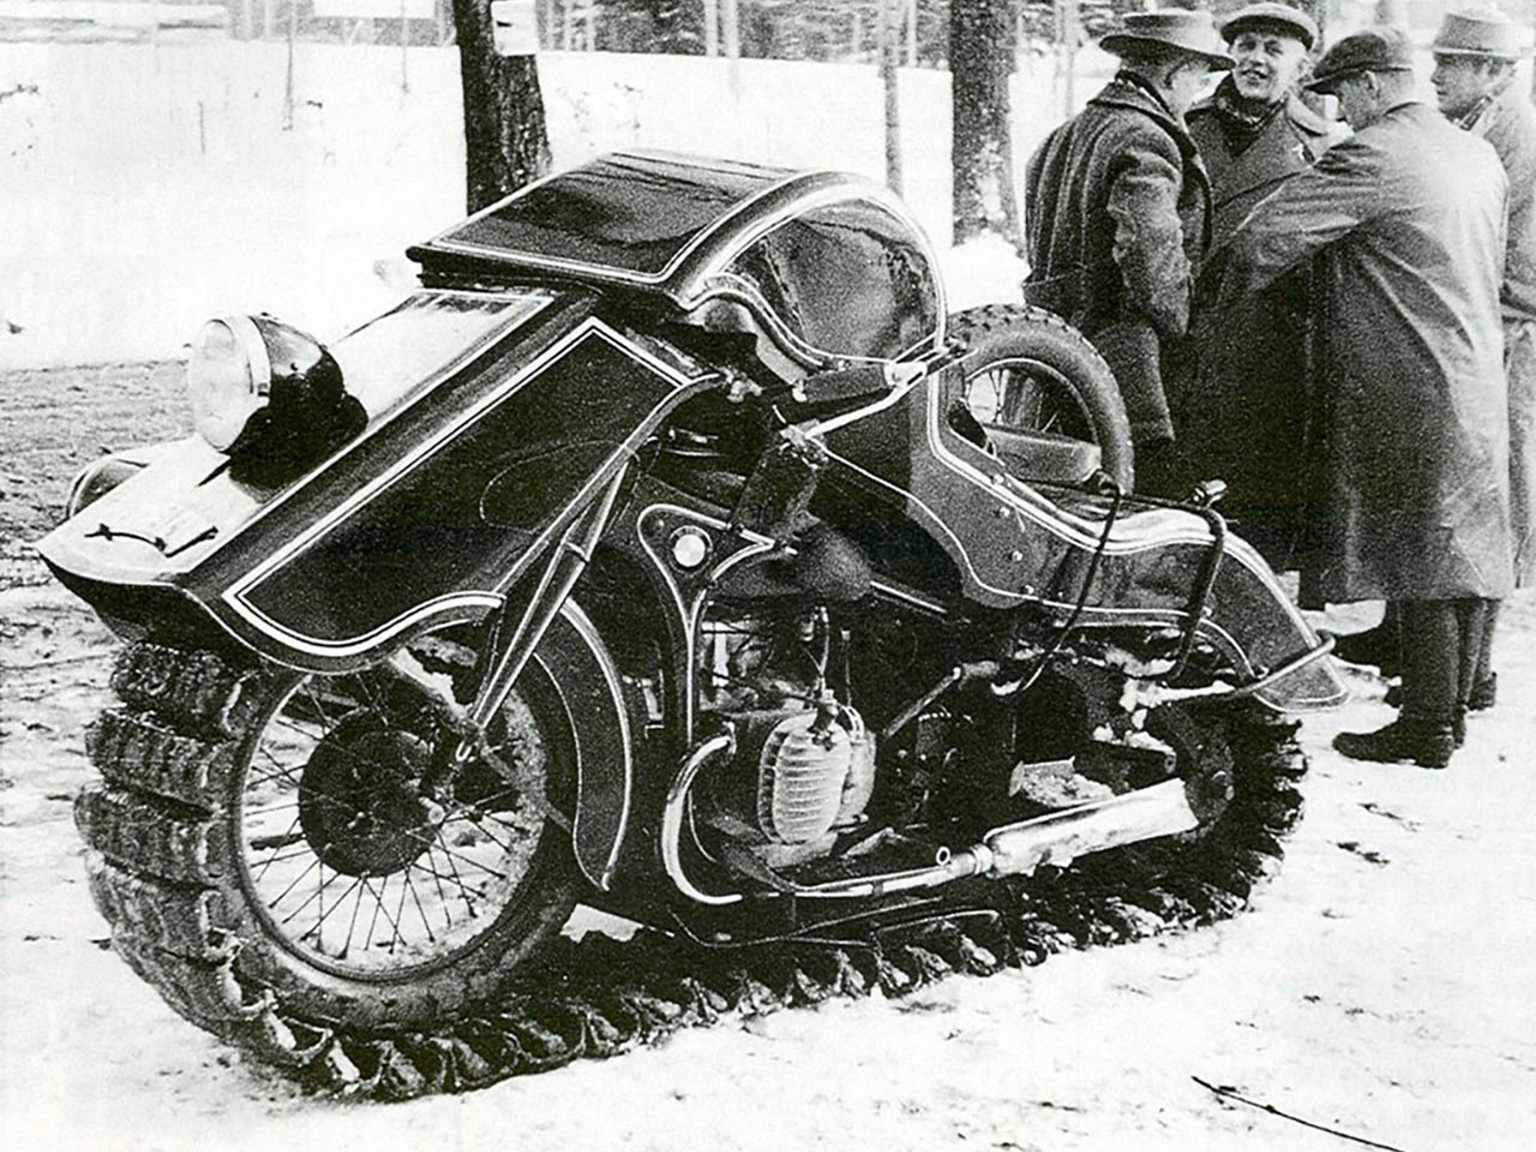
[(1013, 543)]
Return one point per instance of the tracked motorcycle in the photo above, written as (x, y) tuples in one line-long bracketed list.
[(670, 552)]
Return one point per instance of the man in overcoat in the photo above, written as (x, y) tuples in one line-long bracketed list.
[(1407, 220), (1475, 55), (1117, 215), (1239, 398)]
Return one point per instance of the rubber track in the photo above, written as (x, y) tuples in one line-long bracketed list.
[(151, 829)]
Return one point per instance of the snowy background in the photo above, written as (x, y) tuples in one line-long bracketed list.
[(148, 187)]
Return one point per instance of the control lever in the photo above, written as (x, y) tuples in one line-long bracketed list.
[(1208, 492)]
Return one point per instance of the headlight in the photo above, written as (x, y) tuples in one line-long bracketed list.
[(241, 365), (229, 377)]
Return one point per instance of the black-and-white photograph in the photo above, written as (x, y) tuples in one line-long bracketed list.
[(757, 575)]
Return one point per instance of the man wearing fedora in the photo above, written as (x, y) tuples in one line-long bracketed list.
[(1406, 221), (1117, 215), (1239, 399), (1475, 56)]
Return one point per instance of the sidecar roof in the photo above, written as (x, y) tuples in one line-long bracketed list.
[(690, 229)]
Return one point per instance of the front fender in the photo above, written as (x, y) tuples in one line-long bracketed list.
[(578, 662), (430, 517)]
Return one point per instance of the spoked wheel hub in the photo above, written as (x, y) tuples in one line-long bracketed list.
[(359, 803), (360, 857)]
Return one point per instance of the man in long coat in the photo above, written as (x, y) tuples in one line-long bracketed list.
[(1407, 217), (1117, 216), (1475, 55), (1240, 396)]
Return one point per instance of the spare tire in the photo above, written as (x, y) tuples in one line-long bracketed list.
[(1036, 373)]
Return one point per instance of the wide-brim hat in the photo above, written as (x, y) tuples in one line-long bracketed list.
[(1486, 34), (1374, 50), (1279, 17), (1177, 28)]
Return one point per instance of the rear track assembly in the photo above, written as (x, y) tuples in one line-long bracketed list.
[(151, 826)]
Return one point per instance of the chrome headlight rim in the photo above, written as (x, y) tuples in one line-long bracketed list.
[(219, 419)]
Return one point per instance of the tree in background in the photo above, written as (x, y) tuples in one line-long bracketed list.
[(981, 51), (506, 138)]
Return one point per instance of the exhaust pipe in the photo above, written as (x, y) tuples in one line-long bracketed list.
[(1058, 838)]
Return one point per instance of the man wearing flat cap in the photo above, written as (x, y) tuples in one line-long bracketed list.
[(1406, 221), (1117, 210), (1240, 395), (1475, 56)]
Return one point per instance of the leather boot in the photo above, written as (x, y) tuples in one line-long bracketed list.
[(1381, 646), (1394, 699), (1484, 693), (1408, 738)]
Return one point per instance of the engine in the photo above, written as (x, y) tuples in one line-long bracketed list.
[(804, 769)]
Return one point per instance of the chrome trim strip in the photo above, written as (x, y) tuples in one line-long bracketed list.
[(890, 591)]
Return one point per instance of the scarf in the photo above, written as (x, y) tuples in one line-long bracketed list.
[(1240, 119)]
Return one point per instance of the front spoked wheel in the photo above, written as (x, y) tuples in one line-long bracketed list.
[(304, 841), (360, 867)]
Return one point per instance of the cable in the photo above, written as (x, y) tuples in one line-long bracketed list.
[(1117, 495)]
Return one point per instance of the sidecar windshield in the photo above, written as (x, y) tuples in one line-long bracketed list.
[(847, 278)]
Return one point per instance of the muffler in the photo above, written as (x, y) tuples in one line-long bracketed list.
[(1058, 838)]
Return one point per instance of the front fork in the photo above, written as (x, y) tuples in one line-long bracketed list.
[(508, 653), (534, 606)]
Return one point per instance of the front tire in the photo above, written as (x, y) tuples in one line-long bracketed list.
[(265, 838)]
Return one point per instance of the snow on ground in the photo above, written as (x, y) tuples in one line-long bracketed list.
[(1380, 985)]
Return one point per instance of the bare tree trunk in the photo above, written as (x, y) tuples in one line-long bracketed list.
[(890, 55), (506, 140), (711, 27), (730, 28), (980, 62)]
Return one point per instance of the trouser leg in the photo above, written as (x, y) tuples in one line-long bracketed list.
[(1433, 668), (1485, 645), (1432, 664), (1381, 646), (1483, 689)]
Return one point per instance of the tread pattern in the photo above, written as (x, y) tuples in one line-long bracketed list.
[(151, 825)]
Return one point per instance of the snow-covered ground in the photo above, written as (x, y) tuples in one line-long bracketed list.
[(1380, 985)]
